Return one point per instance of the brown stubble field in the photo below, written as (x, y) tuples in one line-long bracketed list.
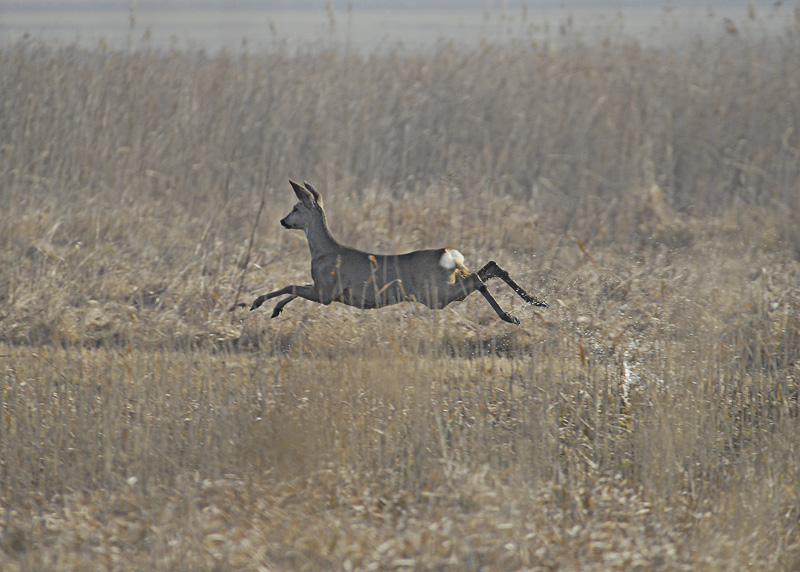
[(647, 420)]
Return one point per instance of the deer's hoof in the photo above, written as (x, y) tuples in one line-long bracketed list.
[(512, 319)]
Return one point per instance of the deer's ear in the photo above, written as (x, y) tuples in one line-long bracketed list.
[(303, 194), (314, 192)]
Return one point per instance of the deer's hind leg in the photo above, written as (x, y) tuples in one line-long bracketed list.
[(505, 316), (466, 286), (492, 270)]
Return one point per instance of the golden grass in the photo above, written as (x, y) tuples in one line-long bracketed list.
[(647, 420)]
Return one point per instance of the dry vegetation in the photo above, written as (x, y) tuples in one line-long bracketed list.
[(647, 421)]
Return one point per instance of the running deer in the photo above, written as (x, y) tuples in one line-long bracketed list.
[(343, 274)]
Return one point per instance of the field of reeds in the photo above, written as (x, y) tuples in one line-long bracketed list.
[(647, 420)]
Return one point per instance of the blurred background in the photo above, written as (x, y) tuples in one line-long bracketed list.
[(365, 26)]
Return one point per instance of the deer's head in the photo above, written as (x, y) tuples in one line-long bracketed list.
[(307, 210)]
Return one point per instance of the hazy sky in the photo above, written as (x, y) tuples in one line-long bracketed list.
[(493, 5), (230, 24)]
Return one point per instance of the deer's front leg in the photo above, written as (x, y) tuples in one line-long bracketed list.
[(279, 306), (309, 292)]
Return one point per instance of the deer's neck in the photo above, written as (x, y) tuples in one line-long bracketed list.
[(320, 241)]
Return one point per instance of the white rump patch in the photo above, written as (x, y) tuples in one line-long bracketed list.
[(452, 259)]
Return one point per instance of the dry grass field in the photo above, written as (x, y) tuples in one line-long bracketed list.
[(647, 420)]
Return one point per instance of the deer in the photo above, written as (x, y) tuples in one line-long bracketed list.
[(356, 278)]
